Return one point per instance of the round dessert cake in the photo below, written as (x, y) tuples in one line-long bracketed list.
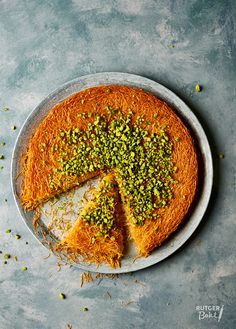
[(144, 154)]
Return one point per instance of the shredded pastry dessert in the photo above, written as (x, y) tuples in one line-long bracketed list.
[(144, 151)]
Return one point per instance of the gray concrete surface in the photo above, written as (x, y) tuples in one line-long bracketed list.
[(177, 43)]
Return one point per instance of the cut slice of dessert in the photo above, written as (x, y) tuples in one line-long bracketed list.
[(99, 232)]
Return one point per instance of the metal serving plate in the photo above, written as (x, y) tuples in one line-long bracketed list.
[(130, 261)]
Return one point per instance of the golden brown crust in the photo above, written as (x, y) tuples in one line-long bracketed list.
[(65, 116)]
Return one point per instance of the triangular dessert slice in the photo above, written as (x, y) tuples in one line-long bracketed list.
[(98, 233)]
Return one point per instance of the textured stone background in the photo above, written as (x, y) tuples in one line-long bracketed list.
[(46, 43)]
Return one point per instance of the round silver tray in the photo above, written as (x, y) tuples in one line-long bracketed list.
[(130, 261)]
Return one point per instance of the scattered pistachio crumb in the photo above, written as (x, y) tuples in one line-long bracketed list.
[(17, 236), (221, 156), (85, 309), (5, 109), (198, 88), (5, 262), (6, 256), (2, 143), (15, 258), (8, 231), (13, 127), (1, 156), (171, 45), (1, 167), (62, 296), (24, 268)]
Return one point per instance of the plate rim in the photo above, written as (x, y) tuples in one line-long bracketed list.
[(183, 109)]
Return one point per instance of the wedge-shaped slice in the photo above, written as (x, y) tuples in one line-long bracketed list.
[(98, 233)]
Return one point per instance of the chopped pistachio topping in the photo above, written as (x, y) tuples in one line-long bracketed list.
[(2, 143), (8, 231), (24, 268), (6, 256), (62, 296), (1, 156), (102, 214), (142, 161)]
